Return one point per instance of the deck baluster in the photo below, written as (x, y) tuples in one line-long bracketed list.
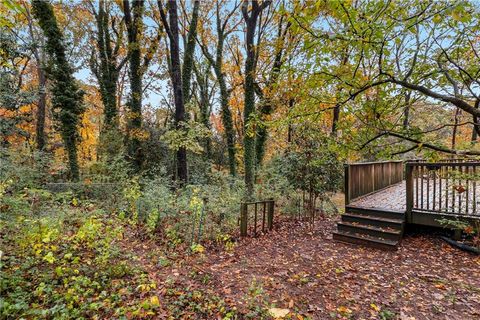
[(474, 209), (416, 187), (440, 177), (421, 185)]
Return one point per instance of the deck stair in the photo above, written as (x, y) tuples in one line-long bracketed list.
[(378, 228)]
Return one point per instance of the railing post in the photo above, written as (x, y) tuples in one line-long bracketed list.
[(243, 219), (271, 208), (409, 189), (347, 184)]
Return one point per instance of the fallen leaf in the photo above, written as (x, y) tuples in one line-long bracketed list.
[(290, 304), (278, 313), (375, 307)]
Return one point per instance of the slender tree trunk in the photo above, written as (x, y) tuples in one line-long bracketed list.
[(42, 86), (204, 103), (177, 88), (41, 108), (455, 127), (266, 107), (226, 114), (291, 103), (226, 118), (335, 119), (189, 52), (406, 111), (476, 126), (249, 109), (133, 22), (225, 108)]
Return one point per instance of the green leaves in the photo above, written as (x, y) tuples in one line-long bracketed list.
[(188, 135), (49, 257)]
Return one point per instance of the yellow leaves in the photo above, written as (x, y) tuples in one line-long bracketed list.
[(139, 134), (344, 310), (146, 287), (49, 257), (75, 202), (197, 248), (154, 301), (278, 313), (375, 307)]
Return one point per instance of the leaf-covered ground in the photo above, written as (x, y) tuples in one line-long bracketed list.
[(305, 271)]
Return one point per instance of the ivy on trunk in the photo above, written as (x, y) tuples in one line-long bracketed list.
[(67, 96)]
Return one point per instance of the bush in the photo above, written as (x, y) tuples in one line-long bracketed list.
[(24, 169)]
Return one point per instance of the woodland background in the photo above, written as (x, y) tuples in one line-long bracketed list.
[(155, 119)]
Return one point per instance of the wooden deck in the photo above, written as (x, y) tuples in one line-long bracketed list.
[(390, 198), (382, 197)]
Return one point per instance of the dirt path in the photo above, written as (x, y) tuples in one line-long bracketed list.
[(313, 276)]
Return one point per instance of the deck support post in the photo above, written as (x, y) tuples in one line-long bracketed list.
[(347, 184), (409, 190)]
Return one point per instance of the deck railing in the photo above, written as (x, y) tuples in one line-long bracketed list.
[(364, 178), (447, 187)]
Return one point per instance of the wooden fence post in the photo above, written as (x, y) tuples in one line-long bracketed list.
[(271, 208), (243, 219), (346, 186), (409, 189)]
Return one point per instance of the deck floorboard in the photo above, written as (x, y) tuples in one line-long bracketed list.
[(391, 198)]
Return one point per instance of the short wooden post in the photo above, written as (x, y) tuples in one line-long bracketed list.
[(457, 234), (243, 219), (255, 221), (263, 217), (271, 208), (346, 186), (409, 190)]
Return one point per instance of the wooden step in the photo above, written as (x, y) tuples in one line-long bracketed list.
[(385, 233), (375, 212), (373, 221), (365, 240)]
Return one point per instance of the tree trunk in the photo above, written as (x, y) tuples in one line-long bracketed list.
[(177, 88), (335, 119), (41, 107), (133, 22), (67, 96), (266, 108), (204, 103), (42, 86), (476, 126), (249, 108), (406, 112), (225, 111), (455, 127), (189, 52), (226, 117)]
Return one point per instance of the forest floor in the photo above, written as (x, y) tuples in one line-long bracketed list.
[(302, 269)]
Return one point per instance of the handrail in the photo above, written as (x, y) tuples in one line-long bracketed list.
[(373, 162)]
